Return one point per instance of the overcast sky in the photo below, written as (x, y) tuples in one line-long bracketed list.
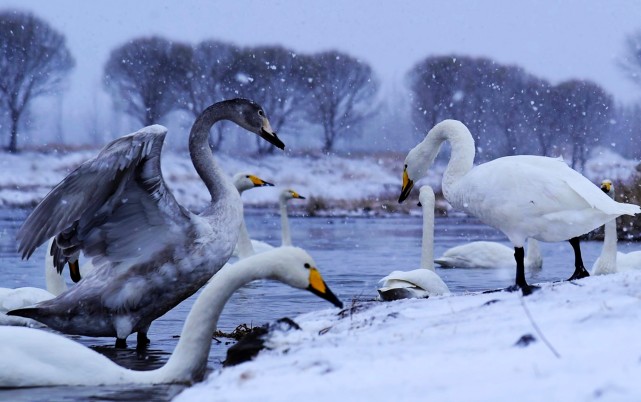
[(556, 40)]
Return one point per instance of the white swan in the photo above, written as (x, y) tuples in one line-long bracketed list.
[(523, 196), (611, 260), (150, 253), (30, 358), (489, 254), (11, 299), (422, 282), (247, 246)]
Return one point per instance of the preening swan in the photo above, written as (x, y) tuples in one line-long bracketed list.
[(489, 254), (30, 357), (611, 260), (150, 253), (523, 196), (247, 246), (422, 282)]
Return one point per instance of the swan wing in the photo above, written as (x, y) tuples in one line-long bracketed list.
[(112, 204), (478, 254), (423, 278)]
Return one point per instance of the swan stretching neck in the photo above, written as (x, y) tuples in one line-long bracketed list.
[(423, 282), (30, 358)]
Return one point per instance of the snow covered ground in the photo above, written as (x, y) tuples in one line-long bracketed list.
[(583, 345), (346, 184)]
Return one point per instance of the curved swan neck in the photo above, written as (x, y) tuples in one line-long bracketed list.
[(462, 154), (245, 247), (427, 247), (189, 360), (284, 223), (201, 154)]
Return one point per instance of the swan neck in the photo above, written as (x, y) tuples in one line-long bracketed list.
[(189, 360), (217, 183), (245, 248), (462, 152), (284, 224), (533, 251), (54, 281), (427, 246), (609, 251)]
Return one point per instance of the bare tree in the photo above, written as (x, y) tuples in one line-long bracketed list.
[(631, 62), (209, 81), (583, 113), (342, 94), (277, 77), (148, 77), (34, 61)]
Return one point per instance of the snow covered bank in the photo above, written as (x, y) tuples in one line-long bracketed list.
[(480, 347)]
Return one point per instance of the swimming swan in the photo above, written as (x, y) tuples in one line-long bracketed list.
[(247, 246), (422, 282), (489, 254), (611, 261), (150, 253), (30, 358), (523, 196)]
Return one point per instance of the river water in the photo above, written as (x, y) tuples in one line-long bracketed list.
[(351, 253)]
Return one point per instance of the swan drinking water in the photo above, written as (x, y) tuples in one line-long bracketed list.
[(422, 282), (523, 196), (149, 252), (30, 357)]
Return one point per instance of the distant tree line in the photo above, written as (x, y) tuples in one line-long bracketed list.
[(508, 110)]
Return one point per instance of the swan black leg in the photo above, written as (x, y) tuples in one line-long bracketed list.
[(579, 269), (121, 343), (141, 338), (521, 283)]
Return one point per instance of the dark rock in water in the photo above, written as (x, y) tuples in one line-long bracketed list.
[(525, 340), (252, 343)]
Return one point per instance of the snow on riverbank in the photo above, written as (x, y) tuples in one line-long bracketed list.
[(455, 348), (344, 184)]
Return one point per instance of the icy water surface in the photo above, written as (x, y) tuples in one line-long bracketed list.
[(351, 253)]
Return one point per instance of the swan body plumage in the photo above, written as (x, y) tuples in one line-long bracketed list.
[(489, 254), (149, 252), (422, 282), (523, 196), (610, 260), (30, 358)]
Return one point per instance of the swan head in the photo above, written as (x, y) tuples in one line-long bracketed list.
[(415, 168), (295, 267), (246, 181), (288, 194), (252, 117), (608, 188)]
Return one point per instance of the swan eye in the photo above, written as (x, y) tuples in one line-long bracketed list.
[(405, 166), (307, 265), (247, 176), (261, 113)]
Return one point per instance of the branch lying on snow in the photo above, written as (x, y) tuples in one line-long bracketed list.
[(538, 330)]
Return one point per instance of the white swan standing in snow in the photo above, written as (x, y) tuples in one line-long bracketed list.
[(611, 260), (150, 253), (30, 358), (489, 254), (523, 196), (247, 247), (422, 282)]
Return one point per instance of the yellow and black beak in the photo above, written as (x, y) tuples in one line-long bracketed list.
[(606, 186), (269, 135), (296, 195), (258, 182), (318, 287), (408, 185)]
